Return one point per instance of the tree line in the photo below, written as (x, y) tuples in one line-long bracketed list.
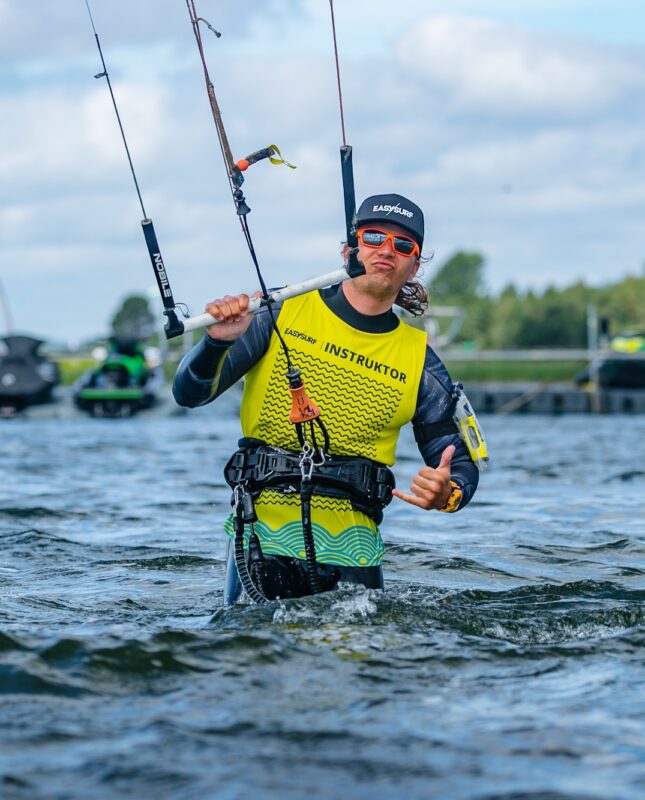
[(523, 319)]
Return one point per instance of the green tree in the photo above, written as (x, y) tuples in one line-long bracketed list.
[(557, 319), (513, 319), (623, 304), (505, 320), (460, 279), (133, 318)]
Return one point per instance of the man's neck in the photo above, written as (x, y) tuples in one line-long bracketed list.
[(363, 302)]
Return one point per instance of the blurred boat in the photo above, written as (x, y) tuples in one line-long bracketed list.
[(26, 376), (122, 384), (621, 366)]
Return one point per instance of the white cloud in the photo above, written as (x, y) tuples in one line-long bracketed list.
[(493, 69), (545, 179), (58, 137)]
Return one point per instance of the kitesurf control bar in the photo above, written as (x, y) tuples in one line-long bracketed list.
[(331, 278)]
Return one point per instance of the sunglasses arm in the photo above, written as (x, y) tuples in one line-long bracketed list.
[(294, 290)]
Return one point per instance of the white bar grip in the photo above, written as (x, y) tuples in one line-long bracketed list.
[(296, 289)]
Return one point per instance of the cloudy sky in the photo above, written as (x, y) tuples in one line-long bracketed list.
[(517, 125)]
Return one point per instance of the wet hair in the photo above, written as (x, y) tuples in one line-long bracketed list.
[(413, 298)]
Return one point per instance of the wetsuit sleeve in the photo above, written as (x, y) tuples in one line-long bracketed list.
[(212, 366), (435, 405)]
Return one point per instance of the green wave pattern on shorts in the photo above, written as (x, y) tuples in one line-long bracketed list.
[(356, 546)]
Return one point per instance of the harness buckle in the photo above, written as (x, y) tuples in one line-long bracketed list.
[(243, 503), (238, 492), (306, 462)]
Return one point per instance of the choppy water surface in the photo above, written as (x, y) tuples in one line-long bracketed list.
[(504, 660)]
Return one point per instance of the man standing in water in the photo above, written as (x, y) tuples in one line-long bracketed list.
[(370, 373)]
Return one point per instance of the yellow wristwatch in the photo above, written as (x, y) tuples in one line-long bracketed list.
[(454, 501)]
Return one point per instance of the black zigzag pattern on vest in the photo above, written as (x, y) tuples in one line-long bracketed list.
[(317, 501), (355, 422)]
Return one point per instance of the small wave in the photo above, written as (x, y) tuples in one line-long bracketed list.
[(167, 562), (27, 532), (19, 680), (104, 666), (137, 658), (551, 592), (551, 550), (10, 781), (9, 643), (40, 512), (176, 505), (569, 628), (630, 475), (34, 535), (465, 565), (546, 614), (538, 795)]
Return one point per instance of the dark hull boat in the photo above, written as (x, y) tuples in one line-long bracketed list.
[(621, 374), (26, 377), (622, 366), (122, 385)]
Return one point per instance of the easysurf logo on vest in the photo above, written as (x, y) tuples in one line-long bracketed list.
[(300, 335), (394, 210)]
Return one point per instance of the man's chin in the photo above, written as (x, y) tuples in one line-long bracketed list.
[(381, 284)]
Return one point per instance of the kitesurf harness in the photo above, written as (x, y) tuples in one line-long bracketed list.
[(365, 483), (257, 466)]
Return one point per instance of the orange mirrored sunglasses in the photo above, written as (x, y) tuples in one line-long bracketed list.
[(375, 238)]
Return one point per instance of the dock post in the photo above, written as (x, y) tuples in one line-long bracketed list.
[(594, 363)]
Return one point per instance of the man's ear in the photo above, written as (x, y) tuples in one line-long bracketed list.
[(345, 253), (416, 267)]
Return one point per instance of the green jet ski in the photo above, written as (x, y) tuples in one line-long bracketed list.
[(122, 385)]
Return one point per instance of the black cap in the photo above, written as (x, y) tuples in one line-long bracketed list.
[(392, 208)]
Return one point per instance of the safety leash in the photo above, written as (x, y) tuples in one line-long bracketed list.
[(244, 514)]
